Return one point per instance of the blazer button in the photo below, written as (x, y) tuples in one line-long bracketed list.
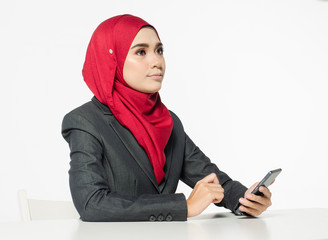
[(152, 218), (160, 218), (169, 217)]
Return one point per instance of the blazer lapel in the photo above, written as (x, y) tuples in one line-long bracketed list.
[(135, 150), (168, 153)]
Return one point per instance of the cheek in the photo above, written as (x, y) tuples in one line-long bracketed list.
[(163, 64), (134, 74), (128, 71), (133, 69)]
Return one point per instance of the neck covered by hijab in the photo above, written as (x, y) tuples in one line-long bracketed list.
[(142, 113)]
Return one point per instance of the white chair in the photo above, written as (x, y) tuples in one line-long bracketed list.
[(34, 209)]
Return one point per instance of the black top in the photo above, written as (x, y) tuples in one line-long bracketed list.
[(111, 177)]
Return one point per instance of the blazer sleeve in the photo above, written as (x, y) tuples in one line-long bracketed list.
[(197, 165), (89, 186)]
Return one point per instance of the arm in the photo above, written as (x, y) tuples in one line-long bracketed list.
[(197, 166), (91, 194)]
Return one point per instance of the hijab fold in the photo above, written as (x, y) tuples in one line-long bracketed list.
[(142, 113)]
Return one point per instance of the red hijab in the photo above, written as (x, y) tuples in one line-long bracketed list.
[(143, 114)]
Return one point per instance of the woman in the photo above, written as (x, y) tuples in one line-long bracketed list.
[(128, 151)]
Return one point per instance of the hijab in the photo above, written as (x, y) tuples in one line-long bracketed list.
[(142, 113)]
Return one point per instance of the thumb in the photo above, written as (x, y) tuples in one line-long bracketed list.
[(252, 187)]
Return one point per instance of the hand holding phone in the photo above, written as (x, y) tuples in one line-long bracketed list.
[(266, 181)]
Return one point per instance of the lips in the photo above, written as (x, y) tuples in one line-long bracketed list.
[(156, 76)]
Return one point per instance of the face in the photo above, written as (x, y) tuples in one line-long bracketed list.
[(144, 65)]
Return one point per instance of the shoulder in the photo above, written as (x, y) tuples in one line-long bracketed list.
[(92, 111), (82, 110), (86, 117), (85, 111), (176, 120), (178, 129)]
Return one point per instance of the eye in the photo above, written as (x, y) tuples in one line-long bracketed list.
[(160, 51), (141, 52)]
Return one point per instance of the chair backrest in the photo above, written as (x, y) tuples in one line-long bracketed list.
[(34, 209)]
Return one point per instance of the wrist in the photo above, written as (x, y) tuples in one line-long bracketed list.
[(190, 211)]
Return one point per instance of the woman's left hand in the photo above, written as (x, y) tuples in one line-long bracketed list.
[(253, 204)]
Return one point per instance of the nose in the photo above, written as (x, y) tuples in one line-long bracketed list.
[(156, 61)]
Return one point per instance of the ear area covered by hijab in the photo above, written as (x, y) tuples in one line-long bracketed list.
[(143, 114), (106, 54)]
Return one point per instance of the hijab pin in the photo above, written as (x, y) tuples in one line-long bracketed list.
[(110, 51)]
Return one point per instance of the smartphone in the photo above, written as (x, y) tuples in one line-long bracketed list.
[(266, 181)]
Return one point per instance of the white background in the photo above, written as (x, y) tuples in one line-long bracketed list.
[(248, 79)]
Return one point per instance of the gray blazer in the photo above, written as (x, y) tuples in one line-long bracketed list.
[(111, 178)]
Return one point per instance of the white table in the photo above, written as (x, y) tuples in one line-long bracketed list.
[(276, 224)]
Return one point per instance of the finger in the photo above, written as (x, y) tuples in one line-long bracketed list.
[(211, 187), (266, 192), (248, 203), (210, 178), (253, 205), (215, 188), (251, 188), (213, 191), (218, 197), (203, 187), (263, 200), (250, 211), (216, 180), (217, 200)]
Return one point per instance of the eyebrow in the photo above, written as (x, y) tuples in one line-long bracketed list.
[(146, 45)]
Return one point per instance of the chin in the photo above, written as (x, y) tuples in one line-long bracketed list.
[(154, 89)]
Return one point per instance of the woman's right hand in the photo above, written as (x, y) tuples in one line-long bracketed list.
[(206, 191)]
